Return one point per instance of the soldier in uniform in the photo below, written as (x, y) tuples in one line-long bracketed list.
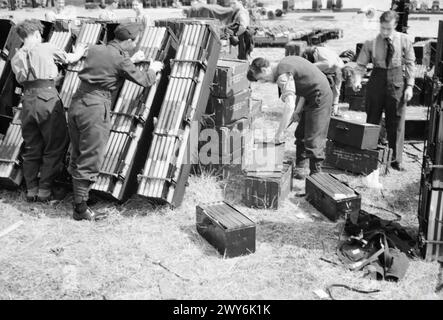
[(297, 76), (392, 81), (105, 69), (44, 126)]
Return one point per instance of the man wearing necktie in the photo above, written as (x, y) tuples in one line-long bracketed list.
[(391, 82)]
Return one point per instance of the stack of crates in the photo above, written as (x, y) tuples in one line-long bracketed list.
[(353, 147), (228, 117)]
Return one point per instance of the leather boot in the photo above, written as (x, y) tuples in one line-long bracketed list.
[(31, 194), (83, 212), (300, 170), (44, 195), (315, 166)]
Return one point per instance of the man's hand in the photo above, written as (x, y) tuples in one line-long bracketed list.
[(157, 66), (356, 86), (139, 56), (80, 49), (234, 40), (408, 93), (277, 139), (295, 117)]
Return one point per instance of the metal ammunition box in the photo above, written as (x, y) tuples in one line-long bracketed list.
[(227, 229), (354, 134), (267, 190), (230, 78), (358, 161), (331, 197)]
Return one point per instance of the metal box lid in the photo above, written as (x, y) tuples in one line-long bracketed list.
[(332, 186), (226, 215)]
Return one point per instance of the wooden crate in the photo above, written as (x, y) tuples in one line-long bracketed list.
[(331, 197), (267, 190), (231, 109), (230, 78), (226, 228), (262, 156), (358, 161), (354, 134)]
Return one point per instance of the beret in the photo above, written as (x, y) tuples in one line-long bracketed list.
[(127, 31)]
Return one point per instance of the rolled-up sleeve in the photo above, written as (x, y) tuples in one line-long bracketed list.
[(131, 72), (286, 85), (409, 61), (364, 57)]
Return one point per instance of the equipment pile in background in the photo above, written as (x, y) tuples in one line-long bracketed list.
[(280, 36)]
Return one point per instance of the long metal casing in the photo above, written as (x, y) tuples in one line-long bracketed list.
[(131, 121), (168, 164)]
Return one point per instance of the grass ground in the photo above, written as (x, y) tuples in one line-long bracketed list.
[(147, 252)]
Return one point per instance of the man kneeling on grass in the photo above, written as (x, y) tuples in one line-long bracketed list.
[(297, 76)]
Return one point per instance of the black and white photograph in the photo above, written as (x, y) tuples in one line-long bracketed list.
[(219, 156)]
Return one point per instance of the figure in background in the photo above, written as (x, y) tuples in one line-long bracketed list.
[(140, 16), (391, 83), (329, 62), (242, 35)]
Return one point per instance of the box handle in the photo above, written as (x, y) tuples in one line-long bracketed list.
[(342, 127)]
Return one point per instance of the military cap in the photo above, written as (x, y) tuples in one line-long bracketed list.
[(127, 31)]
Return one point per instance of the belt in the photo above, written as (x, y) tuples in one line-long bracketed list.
[(39, 84), (93, 88), (390, 69)]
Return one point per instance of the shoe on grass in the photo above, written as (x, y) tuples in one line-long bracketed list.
[(31, 194), (44, 195), (83, 212)]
